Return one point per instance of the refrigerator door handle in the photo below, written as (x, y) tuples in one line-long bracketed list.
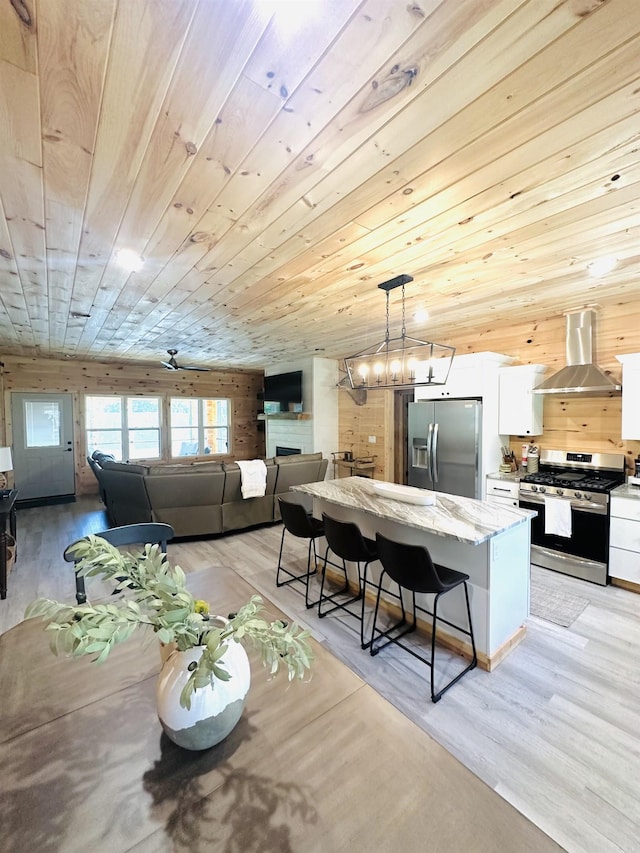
[(434, 453), (430, 450)]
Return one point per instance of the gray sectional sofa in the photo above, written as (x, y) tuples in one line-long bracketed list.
[(200, 498)]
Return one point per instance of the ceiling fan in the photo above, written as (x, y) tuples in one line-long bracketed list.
[(172, 364)]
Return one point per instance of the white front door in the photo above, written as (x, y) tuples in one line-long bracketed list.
[(43, 464)]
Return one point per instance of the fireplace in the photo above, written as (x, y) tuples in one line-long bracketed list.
[(287, 451)]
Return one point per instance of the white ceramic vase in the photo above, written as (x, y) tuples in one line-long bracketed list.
[(215, 710)]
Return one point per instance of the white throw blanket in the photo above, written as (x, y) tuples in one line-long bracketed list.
[(253, 478), (557, 517)]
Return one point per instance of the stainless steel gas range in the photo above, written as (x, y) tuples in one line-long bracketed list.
[(570, 493)]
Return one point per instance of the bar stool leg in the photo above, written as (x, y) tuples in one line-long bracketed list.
[(284, 530), (312, 546), (292, 577), (435, 697), (341, 605), (364, 598), (373, 650)]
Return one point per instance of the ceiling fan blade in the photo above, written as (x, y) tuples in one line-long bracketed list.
[(172, 364)]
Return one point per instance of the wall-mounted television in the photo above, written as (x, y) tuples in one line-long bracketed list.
[(283, 388)]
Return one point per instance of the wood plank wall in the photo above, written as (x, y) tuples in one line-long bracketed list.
[(570, 422), (577, 422), (93, 377)]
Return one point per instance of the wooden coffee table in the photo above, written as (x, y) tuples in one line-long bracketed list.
[(326, 765)]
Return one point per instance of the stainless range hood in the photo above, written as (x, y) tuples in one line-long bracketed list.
[(581, 375)]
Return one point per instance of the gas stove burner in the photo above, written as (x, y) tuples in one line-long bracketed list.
[(572, 480)]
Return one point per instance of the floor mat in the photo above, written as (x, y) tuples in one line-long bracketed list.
[(555, 605)]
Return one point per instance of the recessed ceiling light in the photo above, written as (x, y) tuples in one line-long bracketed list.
[(601, 266), (421, 316), (129, 260)]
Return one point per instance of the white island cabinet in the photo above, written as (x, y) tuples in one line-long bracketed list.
[(490, 543), (624, 536)]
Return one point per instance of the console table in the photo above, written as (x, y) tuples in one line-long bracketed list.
[(7, 513), (326, 764)]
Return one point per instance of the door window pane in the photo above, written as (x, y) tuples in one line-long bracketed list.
[(42, 423)]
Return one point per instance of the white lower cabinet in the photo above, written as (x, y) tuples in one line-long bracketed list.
[(624, 538), (503, 492)]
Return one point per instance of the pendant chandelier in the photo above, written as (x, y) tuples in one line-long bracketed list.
[(402, 362)]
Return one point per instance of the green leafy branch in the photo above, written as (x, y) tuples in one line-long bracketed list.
[(278, 643), (157, 596)]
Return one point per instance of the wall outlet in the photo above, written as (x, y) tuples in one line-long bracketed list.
[(372, 439)]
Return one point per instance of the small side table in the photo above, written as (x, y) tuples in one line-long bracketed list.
[(359, 466), (7, 513)]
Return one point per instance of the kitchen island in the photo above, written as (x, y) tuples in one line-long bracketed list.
[(490, 543)]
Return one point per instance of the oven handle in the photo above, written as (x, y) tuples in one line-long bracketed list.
[(593, 509)]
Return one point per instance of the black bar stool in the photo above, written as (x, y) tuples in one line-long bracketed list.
[(298, 521), (345, 540), (412, 568)]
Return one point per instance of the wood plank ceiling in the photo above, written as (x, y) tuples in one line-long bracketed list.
[(274, 161)]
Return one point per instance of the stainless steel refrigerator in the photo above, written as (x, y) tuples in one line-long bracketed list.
[(444, 446)]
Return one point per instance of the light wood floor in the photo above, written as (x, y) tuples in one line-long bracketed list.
[(553, 730)]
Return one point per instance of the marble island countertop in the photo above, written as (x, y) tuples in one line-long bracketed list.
[(464, 519)]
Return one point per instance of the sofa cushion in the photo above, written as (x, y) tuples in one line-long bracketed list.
[(206, 467), (190, 503), (128, 467), (293, 458), (187, 468)]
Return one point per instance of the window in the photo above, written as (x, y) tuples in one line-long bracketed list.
[(42, 423), (199, 426), (127, 427)]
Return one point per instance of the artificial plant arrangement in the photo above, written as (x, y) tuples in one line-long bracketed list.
[(154, 594)]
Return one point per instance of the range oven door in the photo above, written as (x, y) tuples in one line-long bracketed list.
[(584, 554)]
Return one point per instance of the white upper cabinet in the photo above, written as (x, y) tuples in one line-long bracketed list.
[(630, 395), (519, 409), (471, 375)]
